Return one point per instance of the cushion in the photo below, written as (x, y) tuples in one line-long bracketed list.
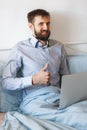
[(2, 63), (77, 63), (9, 100)]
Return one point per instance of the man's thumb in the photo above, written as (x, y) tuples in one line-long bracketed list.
[(45, 67)]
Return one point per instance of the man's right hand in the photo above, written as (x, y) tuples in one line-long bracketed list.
[(42, 77)]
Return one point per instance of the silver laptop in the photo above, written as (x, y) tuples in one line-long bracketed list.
[(73, 89)]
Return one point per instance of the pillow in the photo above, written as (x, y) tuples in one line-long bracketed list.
[(77, 63), (9, 100), (2, 64)]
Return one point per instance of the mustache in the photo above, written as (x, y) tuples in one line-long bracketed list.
[(45, 31)]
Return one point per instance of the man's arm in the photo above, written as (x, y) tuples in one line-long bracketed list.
[(10, 80)]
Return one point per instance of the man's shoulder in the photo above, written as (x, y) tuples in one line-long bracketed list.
[(20, 44), (53, 42), (23, 42)]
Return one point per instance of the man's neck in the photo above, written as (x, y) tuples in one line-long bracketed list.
[(43, 42)]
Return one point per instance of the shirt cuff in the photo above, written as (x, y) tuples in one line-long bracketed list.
[(27, 81)]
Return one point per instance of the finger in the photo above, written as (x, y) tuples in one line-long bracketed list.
[(45, 67)]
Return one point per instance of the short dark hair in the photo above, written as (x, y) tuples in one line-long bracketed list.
[(37, 12)]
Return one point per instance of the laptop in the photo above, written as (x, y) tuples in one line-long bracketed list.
[(73, 89)]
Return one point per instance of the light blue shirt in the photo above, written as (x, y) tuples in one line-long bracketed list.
[(27, 58)]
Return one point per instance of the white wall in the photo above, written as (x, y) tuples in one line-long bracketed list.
[(69, 20)]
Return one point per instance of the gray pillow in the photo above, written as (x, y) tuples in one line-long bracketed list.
[(2, 64), (9, 100), (77, 63)]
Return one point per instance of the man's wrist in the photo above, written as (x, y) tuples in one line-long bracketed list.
[(34, 80)]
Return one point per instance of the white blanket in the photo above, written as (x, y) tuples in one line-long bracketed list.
[(40, 111)]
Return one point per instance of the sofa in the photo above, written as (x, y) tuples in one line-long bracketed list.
[(77, 63)]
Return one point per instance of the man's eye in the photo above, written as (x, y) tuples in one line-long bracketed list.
[(41, 24), (48, 23)]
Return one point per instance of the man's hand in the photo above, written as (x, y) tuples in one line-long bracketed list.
[(41, 77)]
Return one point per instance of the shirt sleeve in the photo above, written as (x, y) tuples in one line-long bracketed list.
[(10, 80)]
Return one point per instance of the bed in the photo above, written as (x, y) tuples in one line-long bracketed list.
[(43, 112)]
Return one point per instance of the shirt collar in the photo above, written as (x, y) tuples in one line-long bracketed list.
[(36, 43)]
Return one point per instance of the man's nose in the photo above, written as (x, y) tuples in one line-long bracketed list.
[(45, 26)]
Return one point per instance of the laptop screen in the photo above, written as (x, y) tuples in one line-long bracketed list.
[(73, 89)]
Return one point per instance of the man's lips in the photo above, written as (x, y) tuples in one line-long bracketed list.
[(45, 32)]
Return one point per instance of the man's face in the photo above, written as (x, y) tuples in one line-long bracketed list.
[(41, 28)]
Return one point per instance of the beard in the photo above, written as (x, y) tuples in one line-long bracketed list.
[(40, 36)]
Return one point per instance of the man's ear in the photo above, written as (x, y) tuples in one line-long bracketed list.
[(30, 25)]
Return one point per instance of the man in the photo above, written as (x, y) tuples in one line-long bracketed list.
[(41, 61)]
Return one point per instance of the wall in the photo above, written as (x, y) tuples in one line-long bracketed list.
[(68, 20)]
